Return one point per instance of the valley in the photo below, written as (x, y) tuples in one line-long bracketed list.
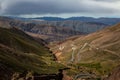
[(83, 50)]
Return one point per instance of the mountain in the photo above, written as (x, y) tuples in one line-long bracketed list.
[(84, 27), (108, 21), (74, 26), (99, 51), (19, 53), (53, 30), (50, 18), (45, 31)]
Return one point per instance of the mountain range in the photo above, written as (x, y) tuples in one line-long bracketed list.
[(105, 20), (53, 30), (43, 47)]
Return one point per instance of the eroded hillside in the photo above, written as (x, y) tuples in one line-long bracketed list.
[(53, 30), (99, 51)]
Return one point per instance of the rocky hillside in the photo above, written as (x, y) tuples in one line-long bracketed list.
[(99, 51), (20, 52), (53, 30), (84, 27), (45, 31)]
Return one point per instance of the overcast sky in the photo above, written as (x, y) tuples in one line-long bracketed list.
[(60, 8)]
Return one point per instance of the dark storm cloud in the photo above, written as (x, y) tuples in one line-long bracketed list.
[(45, 7), (31, 8), (23, 7)]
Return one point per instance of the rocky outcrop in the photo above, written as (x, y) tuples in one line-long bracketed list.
[(84, 27)]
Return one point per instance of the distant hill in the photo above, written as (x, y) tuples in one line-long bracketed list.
[(102, 49), (50, 18), (20, 52), (108, 21), (53, 30)]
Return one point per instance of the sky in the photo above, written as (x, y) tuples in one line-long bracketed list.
[(60, 8)]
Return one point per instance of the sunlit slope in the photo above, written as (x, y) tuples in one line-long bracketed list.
[(102, 47)]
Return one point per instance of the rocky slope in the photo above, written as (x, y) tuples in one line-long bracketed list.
[(98, 51), (84, 27)]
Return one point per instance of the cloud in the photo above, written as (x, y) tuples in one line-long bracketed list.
[(44, 7)]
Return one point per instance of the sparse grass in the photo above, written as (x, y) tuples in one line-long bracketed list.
[(101, 56), (22, 52), (91, 65)]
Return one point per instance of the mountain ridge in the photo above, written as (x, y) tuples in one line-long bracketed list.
[(105, 20), (54, 30)]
